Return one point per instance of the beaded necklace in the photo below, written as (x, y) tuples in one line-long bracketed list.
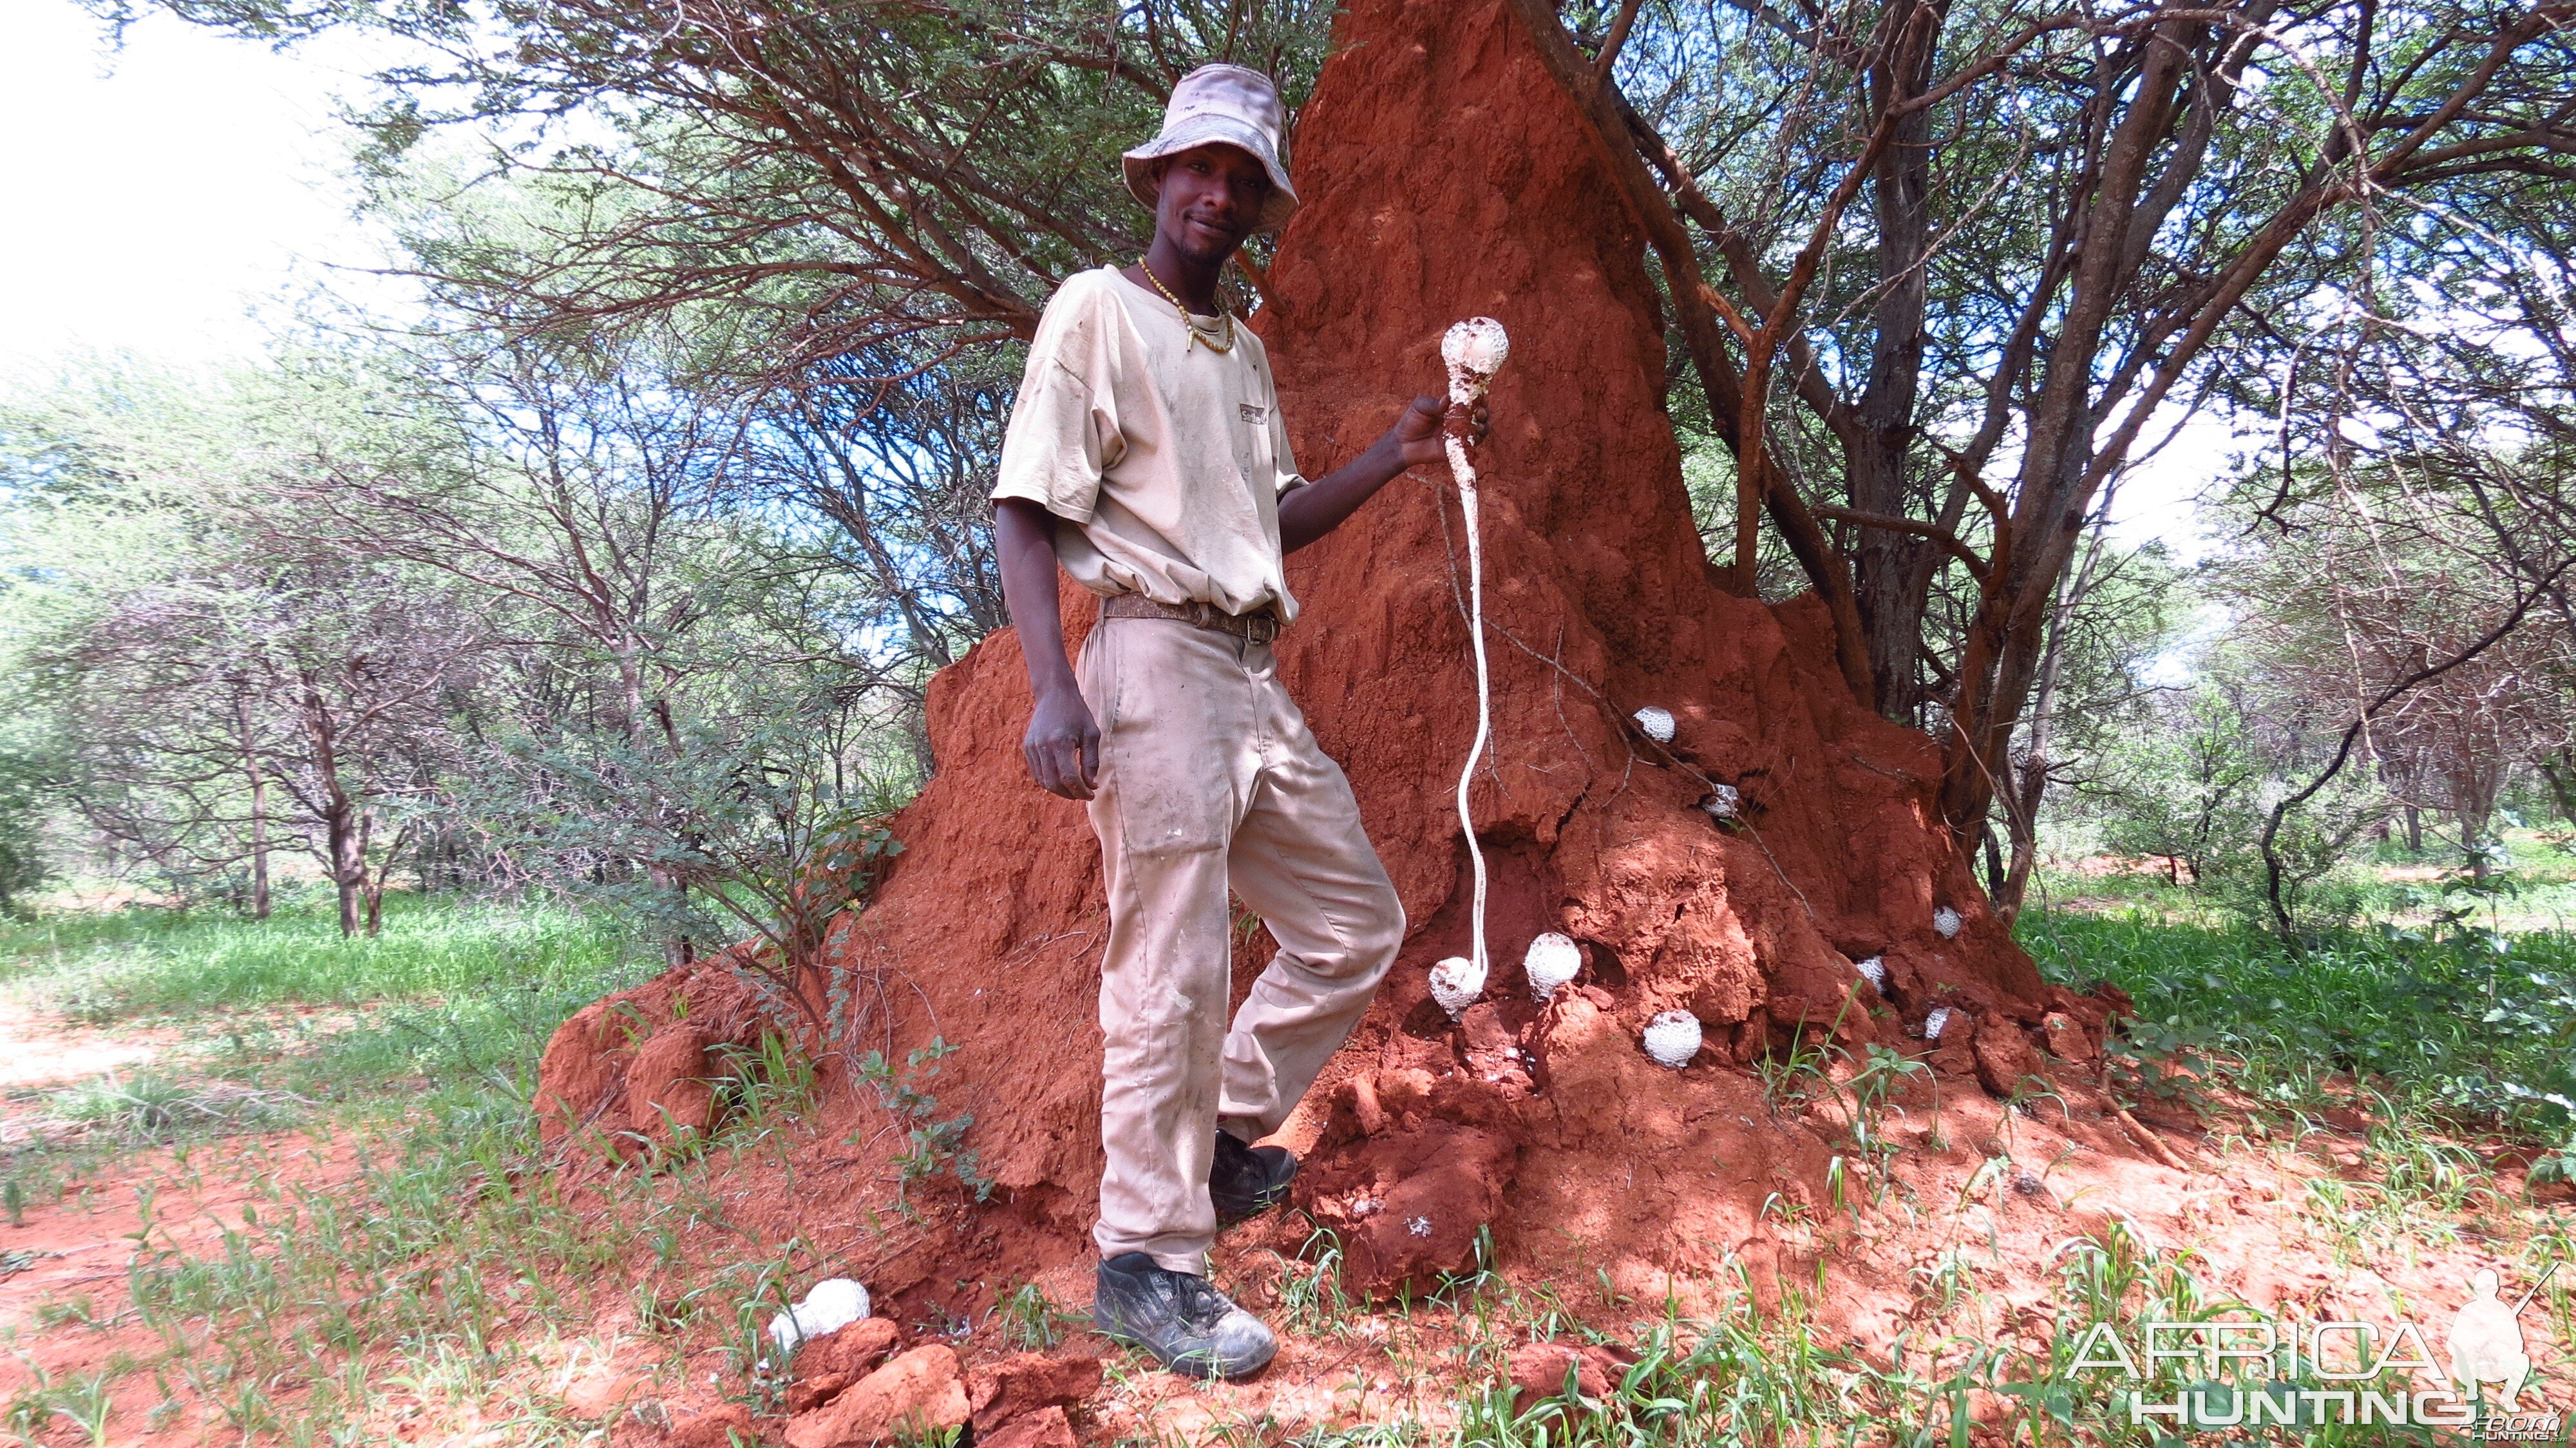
[(1198, 332)]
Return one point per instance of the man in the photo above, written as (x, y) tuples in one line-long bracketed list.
[(1146, 456)]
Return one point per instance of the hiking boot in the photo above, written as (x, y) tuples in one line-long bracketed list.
[(1178, 1317), (1245, 1181)]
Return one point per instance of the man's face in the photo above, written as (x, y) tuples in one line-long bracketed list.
[(1210, 201)]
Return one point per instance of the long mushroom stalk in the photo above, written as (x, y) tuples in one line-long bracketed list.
[(1474, 350)]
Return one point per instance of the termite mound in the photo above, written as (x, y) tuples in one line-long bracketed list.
[(1446, 176)]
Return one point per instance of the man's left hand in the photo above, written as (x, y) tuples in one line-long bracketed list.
[(1418, 432)]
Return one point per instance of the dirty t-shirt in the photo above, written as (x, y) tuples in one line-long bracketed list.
[(1167, 457)]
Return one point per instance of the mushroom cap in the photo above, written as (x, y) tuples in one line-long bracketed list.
[(1553, 961), (830, 1305), (1476, 346), (1672, 1038), (1455, 984)]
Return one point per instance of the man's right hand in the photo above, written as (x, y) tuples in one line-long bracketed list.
[(1063, 744), (1062, 747)]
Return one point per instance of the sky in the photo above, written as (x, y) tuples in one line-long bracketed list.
[(161, 192)]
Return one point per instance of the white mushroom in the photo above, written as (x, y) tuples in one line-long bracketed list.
[(1724, 802), (1946, 923), (1474, 350), (1552, 962), (1936, 1022), (1873, 970), (1672, 1038), (1658, 723), (832, 1304), (1455, 983)]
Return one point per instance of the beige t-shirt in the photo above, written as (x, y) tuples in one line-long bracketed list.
[(1169, 458)]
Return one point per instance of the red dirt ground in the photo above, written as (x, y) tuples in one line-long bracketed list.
[(1983, 1195), (77, 1251)]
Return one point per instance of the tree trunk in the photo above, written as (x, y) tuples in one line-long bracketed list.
[(2032, 784), (1889, 571), (259, 903), (676, 948), (2475, 817), (343, 835), (341, 817), (2561, 774), (381, 875), (371, 895)]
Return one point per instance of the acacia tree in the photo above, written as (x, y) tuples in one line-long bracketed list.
[(902, 472), (2110, 619), (566, 484), (2405, 635), (891, 181), (227, 675), (2184, 789), (359, 682), (1979, 251), (237, 698), (2426, 416)]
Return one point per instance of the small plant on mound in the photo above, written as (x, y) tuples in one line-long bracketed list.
[(933, 1145), (1030, 1320), (2557, 1165), (765, 1086), (1875, 1081)]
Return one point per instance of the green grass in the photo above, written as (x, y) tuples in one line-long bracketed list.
[(438, 1254), (2460, 1027), (282, 1022), (2533, 888), (119, 965)]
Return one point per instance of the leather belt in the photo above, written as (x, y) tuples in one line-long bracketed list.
[(1259, 628)]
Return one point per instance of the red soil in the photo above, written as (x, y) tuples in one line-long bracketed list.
[(1446, 176), (78, 1252)]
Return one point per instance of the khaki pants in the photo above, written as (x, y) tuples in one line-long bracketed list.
[(1209, 778)]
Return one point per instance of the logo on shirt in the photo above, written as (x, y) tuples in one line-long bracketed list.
[(1251, 412)]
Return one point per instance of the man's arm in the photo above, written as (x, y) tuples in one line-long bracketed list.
[(1310, 512), (1062, 746)]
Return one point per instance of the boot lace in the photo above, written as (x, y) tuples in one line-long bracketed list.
[(1201, 1305)]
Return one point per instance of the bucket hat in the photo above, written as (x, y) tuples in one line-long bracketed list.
[(1228, 104)]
